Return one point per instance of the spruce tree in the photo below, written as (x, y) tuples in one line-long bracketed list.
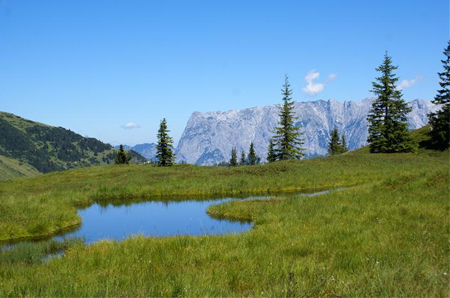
[(287, 140), (387, 119), (440, 120), (121, 157), (271, 155), (233, 159), (335, 146), (252, 158), (164, 149), (243, 160), (344, 143)]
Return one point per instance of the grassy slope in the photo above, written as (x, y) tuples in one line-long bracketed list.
[(10, 168), (388, 236)]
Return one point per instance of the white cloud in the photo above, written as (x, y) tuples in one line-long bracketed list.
[(408, 83), (332, 76), (312, 88), (130, 125)]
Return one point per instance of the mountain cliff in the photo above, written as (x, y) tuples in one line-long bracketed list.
[(209, 137)]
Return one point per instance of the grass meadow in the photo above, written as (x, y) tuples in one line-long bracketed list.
[(385, 235)]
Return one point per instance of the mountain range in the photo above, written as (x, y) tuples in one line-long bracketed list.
[(29, 148), (147, 150), (209, 137)]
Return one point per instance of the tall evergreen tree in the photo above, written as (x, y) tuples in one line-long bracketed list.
[(344, 143), (271, 155), (243, 160), (335, 145), (164, 149), (387, 119), (288, 140), (252, 158), (233, 159), (440, 120), (121, 157)]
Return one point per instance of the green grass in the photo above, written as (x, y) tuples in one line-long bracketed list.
[(42, 205), (10, 168), (35, 253), (386, 236)]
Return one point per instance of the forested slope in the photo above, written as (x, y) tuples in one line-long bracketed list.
[(29, 148)]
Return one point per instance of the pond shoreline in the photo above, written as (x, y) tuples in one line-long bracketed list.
[(168, 200)]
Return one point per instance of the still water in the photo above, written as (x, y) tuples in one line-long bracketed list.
[(157, 219), (153, 219)]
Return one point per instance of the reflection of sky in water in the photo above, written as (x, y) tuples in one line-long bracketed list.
[(153, 219)]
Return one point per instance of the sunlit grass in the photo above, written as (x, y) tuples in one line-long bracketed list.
[(45, 204), (388, 235)]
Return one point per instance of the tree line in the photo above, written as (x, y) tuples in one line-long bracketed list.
[(251, 159), (387, 129)]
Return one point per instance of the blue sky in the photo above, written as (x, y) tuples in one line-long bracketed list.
[(94, 66)]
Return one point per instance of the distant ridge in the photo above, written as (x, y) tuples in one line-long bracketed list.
[(29, 148), (147, 150)]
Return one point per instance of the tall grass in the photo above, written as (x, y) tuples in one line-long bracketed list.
[(48, 203), (387, 236), (35, 253)]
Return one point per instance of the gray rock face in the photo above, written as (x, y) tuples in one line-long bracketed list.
[(147, 150), (209, 137)]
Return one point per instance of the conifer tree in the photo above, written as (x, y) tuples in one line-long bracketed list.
[(243, 160), (344, 143), (271, 155), (164, 149), (121, 157), (440, 120), (233, 159), (387, 119), (335, 146), (252, 158), (287, 140)]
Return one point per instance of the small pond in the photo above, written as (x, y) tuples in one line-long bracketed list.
[(158, 219)]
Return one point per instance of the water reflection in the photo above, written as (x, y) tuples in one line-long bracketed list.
[(119, 219), (153, 219)]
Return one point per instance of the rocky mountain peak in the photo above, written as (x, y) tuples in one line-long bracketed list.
[(209, 137)]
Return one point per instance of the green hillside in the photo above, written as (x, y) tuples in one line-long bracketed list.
[(28, 148), (10, 168), (384, 233)]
